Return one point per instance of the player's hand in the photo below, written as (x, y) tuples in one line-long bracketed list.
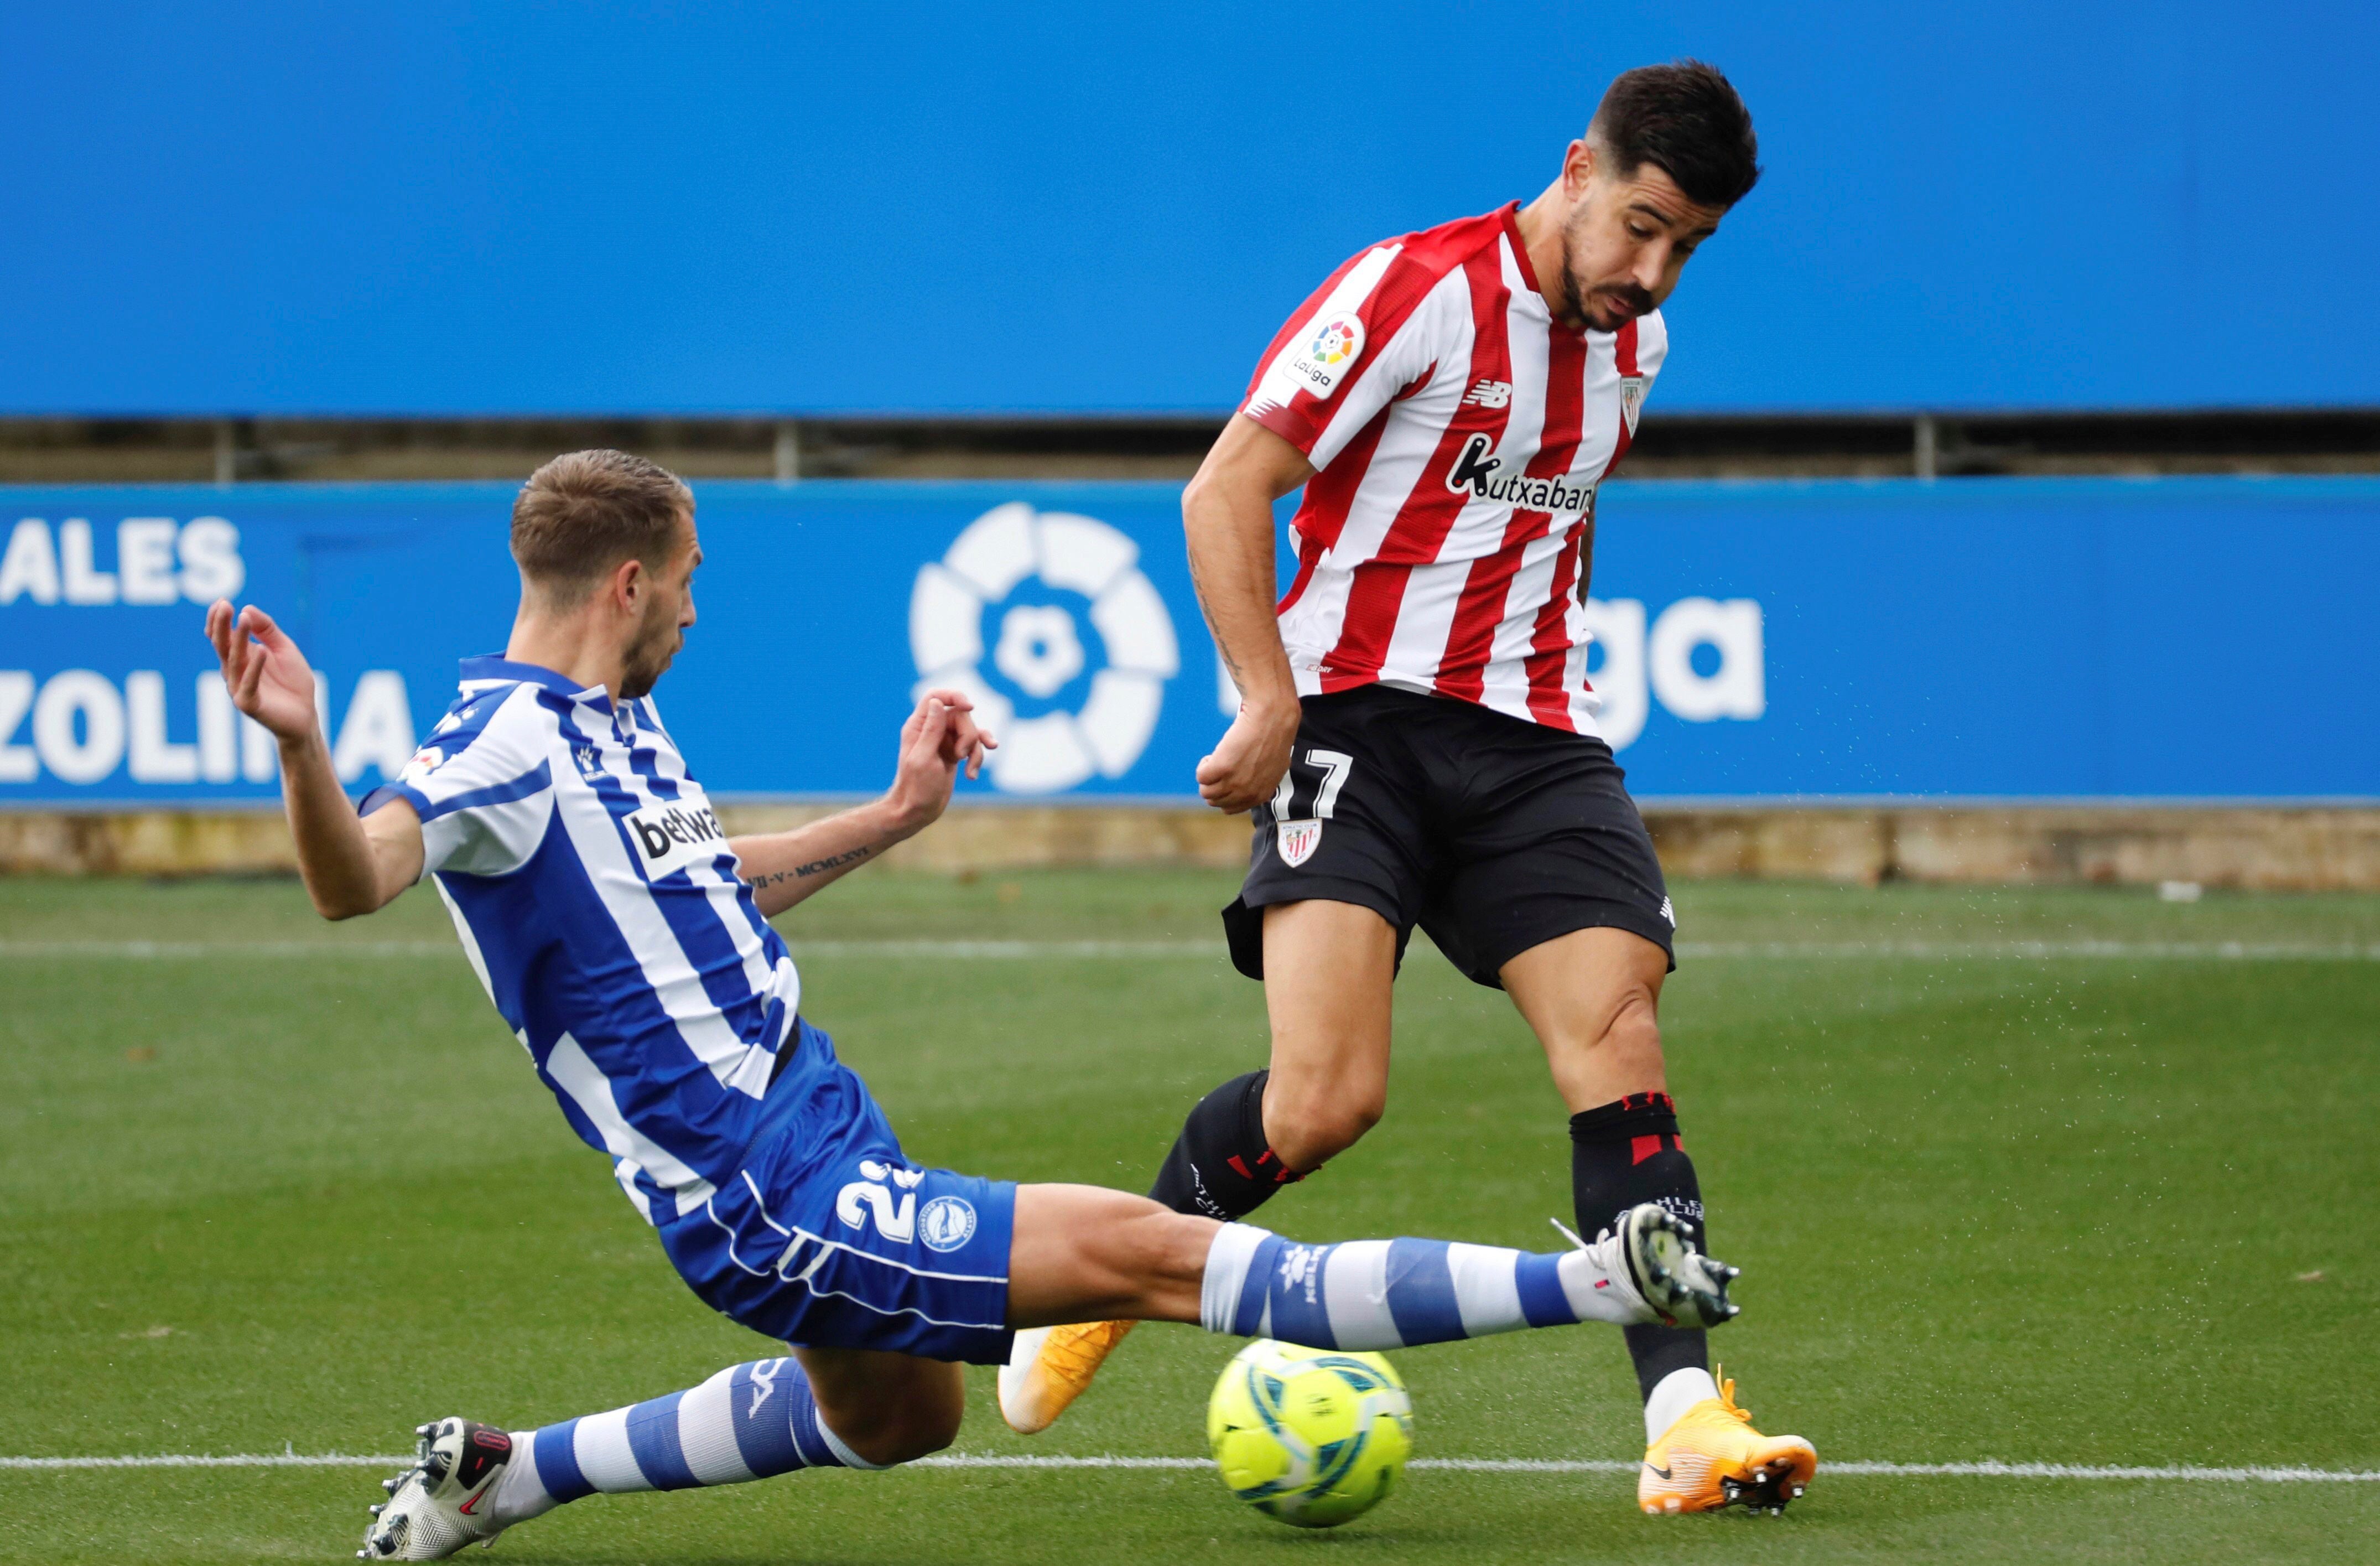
[(267, 675), (941, 736), (1246, 767)]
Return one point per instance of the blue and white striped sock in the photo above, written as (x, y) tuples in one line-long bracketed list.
[(748, 1421), (1395, 1294)]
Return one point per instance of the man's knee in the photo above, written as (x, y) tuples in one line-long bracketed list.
[(899, 1431), (1308, 1126), (888, 1408), (1624, 1058), (1635, 1023)]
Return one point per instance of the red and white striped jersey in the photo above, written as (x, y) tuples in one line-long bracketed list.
[(1458, 432)]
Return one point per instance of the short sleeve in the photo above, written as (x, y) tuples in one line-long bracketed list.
[(1352, 348), (482, 784)]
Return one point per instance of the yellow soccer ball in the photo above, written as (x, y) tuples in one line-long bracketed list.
[(1312, 1437)]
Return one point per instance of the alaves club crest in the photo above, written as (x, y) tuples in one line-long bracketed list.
[(1298, 840)]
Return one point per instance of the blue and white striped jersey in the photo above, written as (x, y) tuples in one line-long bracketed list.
[(596, 897)]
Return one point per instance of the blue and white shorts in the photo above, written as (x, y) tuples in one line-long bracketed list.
[(829, 1238)]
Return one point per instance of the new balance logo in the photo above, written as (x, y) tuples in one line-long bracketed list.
[(1489, 395)]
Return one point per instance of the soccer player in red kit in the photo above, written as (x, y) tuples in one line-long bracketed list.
[(1417, 736)]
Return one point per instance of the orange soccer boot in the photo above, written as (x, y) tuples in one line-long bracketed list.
[(1712, 1457), (1050, 1367)]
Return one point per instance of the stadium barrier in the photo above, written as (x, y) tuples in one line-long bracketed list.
[(2003, 679), (2333, 848)]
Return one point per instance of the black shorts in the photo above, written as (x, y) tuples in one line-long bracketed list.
[(1493, 833)]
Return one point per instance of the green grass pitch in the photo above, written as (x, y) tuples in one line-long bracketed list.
[(268, 1186)]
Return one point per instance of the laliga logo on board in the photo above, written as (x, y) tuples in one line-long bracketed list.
[(1636, 664), (1018, 572)]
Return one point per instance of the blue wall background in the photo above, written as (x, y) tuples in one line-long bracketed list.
[(453, 208), (2178, 637)]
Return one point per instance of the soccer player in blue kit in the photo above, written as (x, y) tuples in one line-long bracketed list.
[(623, 939)]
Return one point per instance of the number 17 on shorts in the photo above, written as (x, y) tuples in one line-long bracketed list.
[(1298, 836)]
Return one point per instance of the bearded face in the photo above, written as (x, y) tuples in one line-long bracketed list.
[(668, 611), (1625, 242)]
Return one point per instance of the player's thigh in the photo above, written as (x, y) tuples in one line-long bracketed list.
[(1329, 972), (1546, 842), (1593, 997), (1346, 826), (1085, 1253), (886, 1407)]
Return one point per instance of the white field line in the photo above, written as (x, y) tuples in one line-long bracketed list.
[(2273, 1475), (1039, 951)]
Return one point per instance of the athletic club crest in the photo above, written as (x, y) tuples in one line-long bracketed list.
[(1632, 400), (1298, 841)]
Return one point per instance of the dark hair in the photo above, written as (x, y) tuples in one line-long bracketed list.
[(586, 511), (1684, 118)]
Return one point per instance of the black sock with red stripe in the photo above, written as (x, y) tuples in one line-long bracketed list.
[(1221, 1165), (1620, 1155)]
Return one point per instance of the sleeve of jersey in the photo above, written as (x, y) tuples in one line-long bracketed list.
[(1345, 354), (483, 788)]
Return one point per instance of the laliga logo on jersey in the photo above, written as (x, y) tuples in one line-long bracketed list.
[(1032, 580), (1334, 345), (1338, 341)]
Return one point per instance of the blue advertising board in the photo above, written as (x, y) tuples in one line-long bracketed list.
[(803, 209), (2020, 638)]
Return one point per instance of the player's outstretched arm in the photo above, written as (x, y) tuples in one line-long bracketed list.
[(1227, 519), (940, 737), (351, 865)]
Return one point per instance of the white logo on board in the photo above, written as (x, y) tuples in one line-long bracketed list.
[(1053, 587), (1629, 665)]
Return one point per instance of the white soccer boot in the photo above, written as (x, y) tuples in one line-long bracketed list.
[(1649, 1247), (446, 1500)]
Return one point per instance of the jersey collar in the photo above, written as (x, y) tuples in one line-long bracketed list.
[(496, 666), (1536, 302), (1510, 214)]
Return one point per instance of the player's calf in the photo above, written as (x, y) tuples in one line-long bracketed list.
[(1223, 1166), (1371, 1295), (472, 1481)]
